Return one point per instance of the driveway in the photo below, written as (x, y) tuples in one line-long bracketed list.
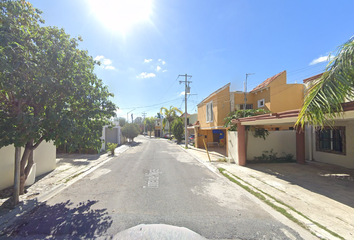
[(322, 193)]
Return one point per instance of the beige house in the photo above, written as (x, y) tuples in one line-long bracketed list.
[(273, 94), (332, 145)]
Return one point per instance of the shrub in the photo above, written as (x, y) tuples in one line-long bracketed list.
[(111, 147)]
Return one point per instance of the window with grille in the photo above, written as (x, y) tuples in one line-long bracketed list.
[(331, 140)]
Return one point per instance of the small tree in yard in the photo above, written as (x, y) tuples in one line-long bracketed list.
[(48, 91), (130, 130), (150, 124), (178, 129), (121, 121)]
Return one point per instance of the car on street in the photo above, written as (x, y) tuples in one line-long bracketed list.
[(191, 138), (168, 135)]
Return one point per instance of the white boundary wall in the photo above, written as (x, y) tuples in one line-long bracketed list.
[(44, 157), (279, 141)]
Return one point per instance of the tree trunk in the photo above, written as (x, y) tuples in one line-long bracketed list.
[(23, 167), (16, 193)]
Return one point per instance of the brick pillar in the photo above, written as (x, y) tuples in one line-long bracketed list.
[(241, 143), (300, 145)]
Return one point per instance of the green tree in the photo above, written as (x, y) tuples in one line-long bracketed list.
[(130, 130), (169, 115), (323, 100), (239, 114), (150, 124), (138, 120), (48, 90), (122, 121), (178, 129)]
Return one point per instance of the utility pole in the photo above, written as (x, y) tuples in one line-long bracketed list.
[(144, 113), (186, 90), (128, 117), (244, 105)]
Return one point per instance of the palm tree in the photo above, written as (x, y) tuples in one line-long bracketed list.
[(169, 115), (322, 103)]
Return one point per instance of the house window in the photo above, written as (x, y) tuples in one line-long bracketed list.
[(331, 140), (261, 103), (240, 106), (209, 112)]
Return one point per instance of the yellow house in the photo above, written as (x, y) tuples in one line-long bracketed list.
[(274, 94)]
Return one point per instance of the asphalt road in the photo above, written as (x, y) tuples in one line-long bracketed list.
[(154, 182)]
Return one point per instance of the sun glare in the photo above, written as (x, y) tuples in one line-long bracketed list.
[(121, 15)]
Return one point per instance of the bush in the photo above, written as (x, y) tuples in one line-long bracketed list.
[(130, 130), (178, 129), (111, 147)]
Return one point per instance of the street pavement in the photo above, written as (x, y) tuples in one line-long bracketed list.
[(156, 182)]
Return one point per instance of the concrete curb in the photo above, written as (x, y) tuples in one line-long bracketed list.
[(305, 233), (310, 226), (26, 206)]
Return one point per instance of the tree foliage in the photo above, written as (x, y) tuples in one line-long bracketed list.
[(239, 114), (150, 124), (121, 121), (48, 91), (178, 129), (323, 100), (130, 130), (138, 120), (169, 115)]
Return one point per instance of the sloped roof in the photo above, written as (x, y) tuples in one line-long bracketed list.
[(312, 78), (267, 82), (215, 92), (184, 113)]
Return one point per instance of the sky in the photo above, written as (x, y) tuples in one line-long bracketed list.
[(145, 45)]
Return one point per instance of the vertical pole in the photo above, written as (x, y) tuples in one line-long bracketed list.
[(244, 105), (241, 144), (185, 113), (300, 145), (17, 176)]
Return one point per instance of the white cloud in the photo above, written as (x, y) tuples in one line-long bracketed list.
[(105, 62), (110, 67), (162, 61), (182, 93), (99, 57), (147, 60), (164, 71), (321, 59), (158, 68), (146, 75)]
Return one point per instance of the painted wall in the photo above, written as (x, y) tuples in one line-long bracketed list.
[(221, 108), (286, 97), (263, 94), (44, 157), (232, 151), (279, 141), (332, 158)]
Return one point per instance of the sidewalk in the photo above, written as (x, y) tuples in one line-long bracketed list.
[(70, 168), (318, 196)]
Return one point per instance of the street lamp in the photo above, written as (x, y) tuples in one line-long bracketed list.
[(244, 105)]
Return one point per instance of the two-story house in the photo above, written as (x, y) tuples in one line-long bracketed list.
[(273, 94)]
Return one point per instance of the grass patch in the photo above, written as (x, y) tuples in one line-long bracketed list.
[(222, 160), (277, 208)]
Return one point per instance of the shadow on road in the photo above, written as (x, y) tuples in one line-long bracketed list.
[(62, 220)]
